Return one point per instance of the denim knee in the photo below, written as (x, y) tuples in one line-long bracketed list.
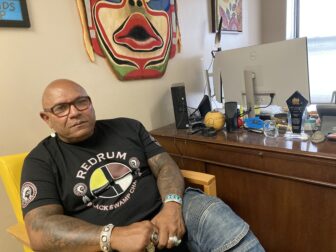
[(211, 224), (249, 243)]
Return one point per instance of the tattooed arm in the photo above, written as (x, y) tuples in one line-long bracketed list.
[(169, 180), (168, 174), (50, 230)]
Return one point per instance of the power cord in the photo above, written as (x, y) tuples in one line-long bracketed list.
[(269, 104)]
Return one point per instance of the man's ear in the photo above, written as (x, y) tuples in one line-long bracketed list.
[(45, 117)]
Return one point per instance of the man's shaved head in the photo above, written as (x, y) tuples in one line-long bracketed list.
[(76, 124), (57, 87)]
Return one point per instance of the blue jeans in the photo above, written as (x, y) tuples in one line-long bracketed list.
[(213, 227)]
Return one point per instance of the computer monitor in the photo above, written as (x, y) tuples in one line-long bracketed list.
[(249, 75), (327, 114)]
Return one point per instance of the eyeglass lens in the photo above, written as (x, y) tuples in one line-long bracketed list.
[(63, 109)]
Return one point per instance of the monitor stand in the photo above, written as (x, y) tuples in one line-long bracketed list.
[(249, 76)]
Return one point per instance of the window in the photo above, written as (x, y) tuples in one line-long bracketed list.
[(316, 20)]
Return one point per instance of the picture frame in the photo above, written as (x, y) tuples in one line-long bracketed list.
[(14, 13), (231, 13)]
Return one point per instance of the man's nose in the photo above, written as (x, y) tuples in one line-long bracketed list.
[(73, 110)]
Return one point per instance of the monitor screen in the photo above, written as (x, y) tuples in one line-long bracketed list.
[(279, 68)]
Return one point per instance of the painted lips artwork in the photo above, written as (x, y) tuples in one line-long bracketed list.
[(137, 37)]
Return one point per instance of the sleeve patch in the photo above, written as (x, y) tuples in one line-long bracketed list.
[(28, 193)]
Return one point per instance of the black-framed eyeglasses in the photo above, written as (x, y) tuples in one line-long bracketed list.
[(63, 109)]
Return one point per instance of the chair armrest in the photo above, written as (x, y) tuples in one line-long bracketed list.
[(208, 181), (19, 232)]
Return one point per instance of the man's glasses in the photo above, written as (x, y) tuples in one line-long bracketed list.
[(63, 109)]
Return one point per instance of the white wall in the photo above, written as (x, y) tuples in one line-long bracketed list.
[(53, 48), (273, 20)]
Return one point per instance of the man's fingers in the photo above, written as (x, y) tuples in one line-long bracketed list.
[(174, 240)]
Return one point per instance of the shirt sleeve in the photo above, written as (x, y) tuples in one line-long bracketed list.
[(151, 145), (38, 184)]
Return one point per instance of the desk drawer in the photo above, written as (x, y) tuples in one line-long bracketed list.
[(211, 153), (305, 168)]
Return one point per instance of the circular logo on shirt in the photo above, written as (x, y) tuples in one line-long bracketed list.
[(110, 180), (134, 162), (28, 193), (80, 189)]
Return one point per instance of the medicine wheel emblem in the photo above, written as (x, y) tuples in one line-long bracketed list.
[(110, 180)]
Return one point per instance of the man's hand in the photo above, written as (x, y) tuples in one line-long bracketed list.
[(169, 222), (132, 238)]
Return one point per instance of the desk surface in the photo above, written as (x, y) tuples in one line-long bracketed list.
[(285, 189), (256, 141)]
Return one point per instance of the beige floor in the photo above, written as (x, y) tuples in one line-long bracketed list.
[(7, 217)]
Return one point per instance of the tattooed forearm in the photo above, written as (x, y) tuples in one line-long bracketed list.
[(50, 230), (169, 178)]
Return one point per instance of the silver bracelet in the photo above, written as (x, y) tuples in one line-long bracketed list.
[(105, 238), (173, 198)]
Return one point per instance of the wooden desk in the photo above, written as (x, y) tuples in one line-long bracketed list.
[(285, 190)]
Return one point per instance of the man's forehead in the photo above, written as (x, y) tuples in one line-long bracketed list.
[(62, 93)]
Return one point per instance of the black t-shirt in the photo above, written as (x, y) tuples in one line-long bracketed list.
[(104, 179)]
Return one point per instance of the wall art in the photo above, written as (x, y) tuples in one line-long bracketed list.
[(14, 13), (231, 13)]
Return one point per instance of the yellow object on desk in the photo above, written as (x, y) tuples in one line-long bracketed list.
[(214, 119)]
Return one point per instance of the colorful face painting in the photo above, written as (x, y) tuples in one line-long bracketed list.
[(136, 36)]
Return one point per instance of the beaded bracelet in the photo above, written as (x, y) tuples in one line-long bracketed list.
[(105, 238), (173, 198)]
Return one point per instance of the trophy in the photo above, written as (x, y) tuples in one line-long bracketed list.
[(296, 104)]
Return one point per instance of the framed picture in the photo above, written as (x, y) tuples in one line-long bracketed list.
[(14, 13), (229, 12)]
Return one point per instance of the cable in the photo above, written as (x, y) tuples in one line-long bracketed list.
[(210, 65), (195, 110), (245, 112), (269, 104)]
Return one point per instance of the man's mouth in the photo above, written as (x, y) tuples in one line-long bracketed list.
[(138, 34), (77, 124)]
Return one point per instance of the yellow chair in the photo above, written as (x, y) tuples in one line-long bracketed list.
[(207, 182), (10, 172)]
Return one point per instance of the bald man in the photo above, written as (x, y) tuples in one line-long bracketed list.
[(79, 124), (107, 185)]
